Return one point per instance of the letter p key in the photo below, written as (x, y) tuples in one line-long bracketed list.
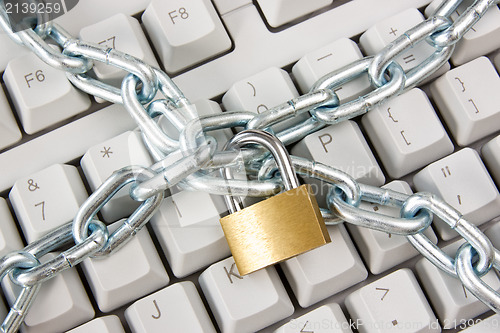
[(325, 139)]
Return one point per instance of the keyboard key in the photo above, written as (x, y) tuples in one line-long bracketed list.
[(61, 303), (283, 11), (123, 33), (108, 324), (63, 144), (462, 181), (316, 64), (101, 160), (204, 107), (454, 305), (177, 308), (341, 146), (191, 238), (491, 156), (78, 17), (47, 199), (381, 250), (325, 271), (488, 325), (481, 39), (327, 318), (9, 131), (386, 31), (261, 92), (244, 303), (42, 95), (407, 133), (9, 237), (185, 33), (130, 273), (392, 303), (467, 98), (493, 233), (496, 60), (3, 310)]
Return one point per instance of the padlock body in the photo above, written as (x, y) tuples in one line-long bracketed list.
[(275, 229)]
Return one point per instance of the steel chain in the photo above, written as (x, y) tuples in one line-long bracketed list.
[(193, 162)]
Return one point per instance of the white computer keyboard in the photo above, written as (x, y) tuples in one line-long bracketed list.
[(58, 144)]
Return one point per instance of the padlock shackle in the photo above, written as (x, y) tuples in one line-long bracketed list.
[(275, 147)]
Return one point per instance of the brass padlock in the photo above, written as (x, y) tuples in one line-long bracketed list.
[(279, 227)]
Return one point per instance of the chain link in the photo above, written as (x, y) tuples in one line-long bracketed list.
[(193, 162)]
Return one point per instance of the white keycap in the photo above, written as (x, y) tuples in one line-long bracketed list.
[(462, 181), (481, 39), (341, 146), (312, 66), (47, 199), (493, 233), (491, 156), (42, 95), (283, 11), (9, 131), (392, 303), (261, 92), (381, 250), (488, 325), (325, 271), (65, 143), (108, 324), (387, 30), (407, 133), (203, 107), (327, 318), (454, 305), (185, 33), (467, 98), (123, 33), (61, 303), (130, 273), (101, 160), (244, 303), (10, 49), (9, 237), (177, 308), (191, 238)]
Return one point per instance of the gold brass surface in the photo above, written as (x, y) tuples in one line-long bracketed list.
[(275, 229)]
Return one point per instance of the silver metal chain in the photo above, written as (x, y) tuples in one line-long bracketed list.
[(193, 163)]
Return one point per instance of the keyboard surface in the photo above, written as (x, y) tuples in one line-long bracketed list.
[(58, 144)]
